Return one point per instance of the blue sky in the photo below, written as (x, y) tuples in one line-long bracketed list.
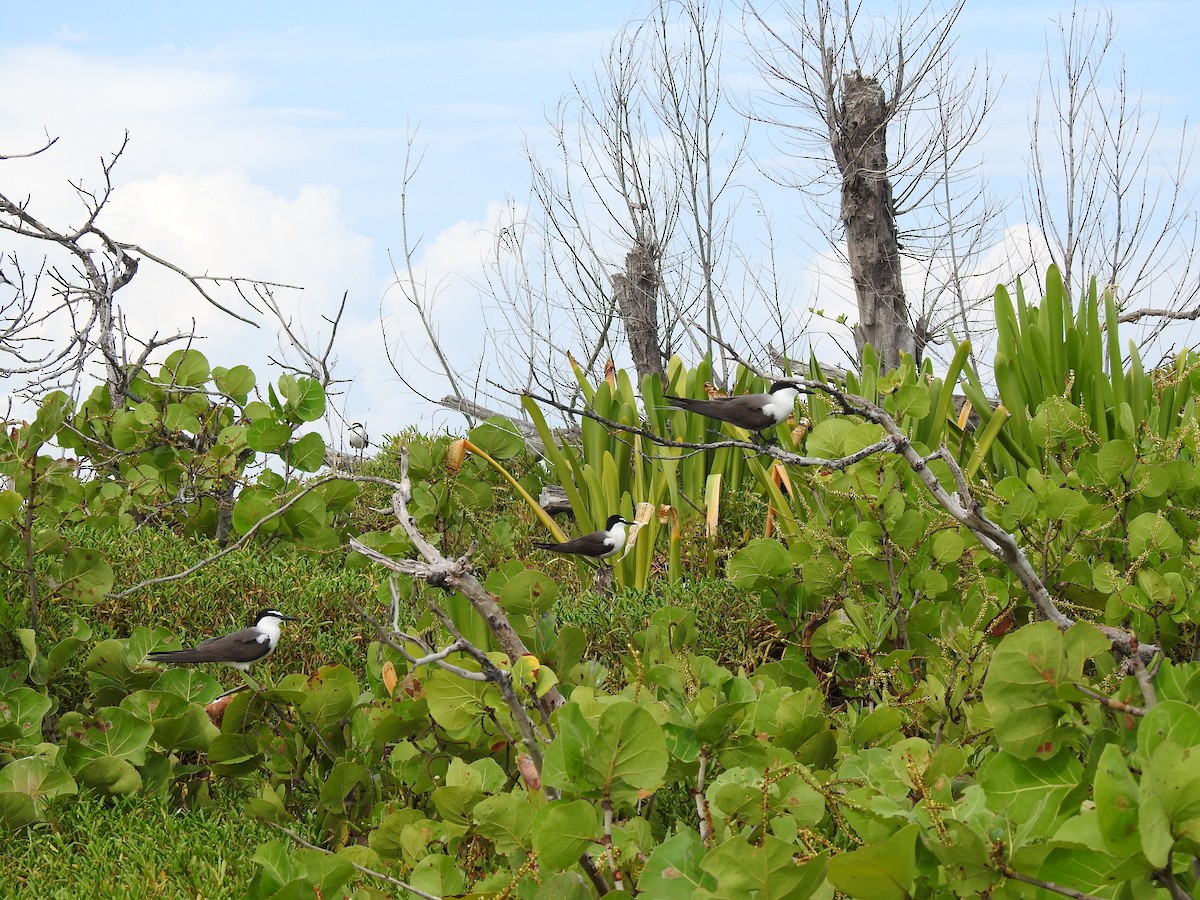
[(267, 140)]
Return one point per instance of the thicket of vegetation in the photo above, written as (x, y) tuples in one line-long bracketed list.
[(914, 645), (904, 651)]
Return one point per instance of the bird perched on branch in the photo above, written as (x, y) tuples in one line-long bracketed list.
[(602, 544), (359, 439), (238, 649), (754, 412)]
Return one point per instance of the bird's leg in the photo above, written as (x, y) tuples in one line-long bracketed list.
[(763, 440)]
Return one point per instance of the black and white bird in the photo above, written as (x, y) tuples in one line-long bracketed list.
[(602, 544), (754, 412), (359, 439), (238, 649)]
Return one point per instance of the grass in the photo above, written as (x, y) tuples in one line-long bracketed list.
[(135, 847), (732, 627), (222, 597)]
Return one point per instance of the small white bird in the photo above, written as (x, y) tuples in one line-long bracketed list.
[(358, 437)]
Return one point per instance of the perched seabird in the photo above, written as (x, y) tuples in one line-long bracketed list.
[(238, 649), (754, 412), (359, 439), (602, 544)]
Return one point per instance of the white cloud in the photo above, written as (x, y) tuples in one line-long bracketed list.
[(447, 273), (223, 224), (186, 191)]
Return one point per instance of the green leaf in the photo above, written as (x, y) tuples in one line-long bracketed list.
[(439, 875), (563, 831), (629, 754), (1151, 530), (1086, 869), (111, 732), (110, 774), (1168, 720), (256, 410), (332, 692), (762, 558), (563, 764), (1030, 792), (37, 778), (275, 867), (344, 778), (569, 886), (21, 712), (506, 821), (236, 383), (17, 810), (455, 703), (913, 400), (1116, 794), (1021, 690), (190, 684), (86, 576), (10, 503), (178, 724), (529, 593), (1169, 802), (51, 415), (828, 438), (878, 872), (180, 418), (187, 368), (267, 435), (497, 437), (128, 432), (304, 398), (308, 453), (673, 870), (251, 507), (765, 872)]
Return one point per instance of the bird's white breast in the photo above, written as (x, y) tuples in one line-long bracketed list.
[(779, 406), (268, 631)]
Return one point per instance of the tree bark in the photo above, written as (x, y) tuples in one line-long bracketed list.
[(636, 291), (869, 216)]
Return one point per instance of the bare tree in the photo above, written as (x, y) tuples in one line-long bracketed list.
[(420, 296), (60, 314), (1105, 192), (611, 194), (644, 180), (961, 222), (842, 84)]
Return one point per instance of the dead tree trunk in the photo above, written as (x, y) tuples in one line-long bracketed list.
[(636, 291), (867, 211)]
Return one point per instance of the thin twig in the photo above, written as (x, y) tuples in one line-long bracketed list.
[(1111, 702), (403, 885)]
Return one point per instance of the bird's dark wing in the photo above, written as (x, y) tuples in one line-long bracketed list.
[(590, 544), (239, 647), (571, 546), (744, 411)]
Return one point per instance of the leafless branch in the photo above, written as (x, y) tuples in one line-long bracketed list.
[(1105, 193), (879, 114), (60, 316)]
